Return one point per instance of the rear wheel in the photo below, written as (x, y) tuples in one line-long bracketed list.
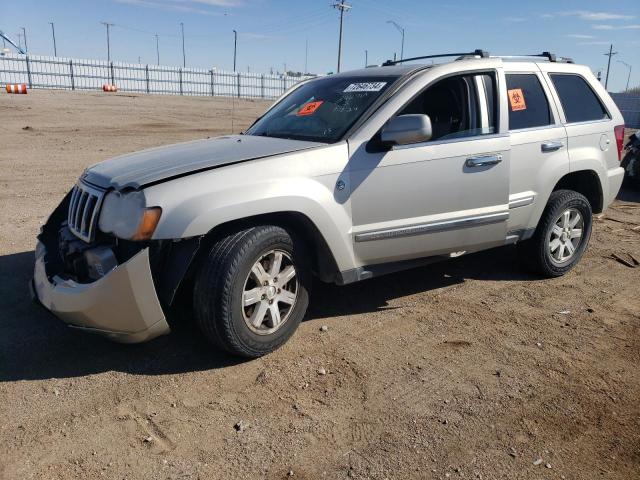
[(562, 235), (252, 291)]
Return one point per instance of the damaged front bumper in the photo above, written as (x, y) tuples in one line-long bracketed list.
[(122, 305)]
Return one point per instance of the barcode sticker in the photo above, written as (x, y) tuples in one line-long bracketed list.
[(365, 87)]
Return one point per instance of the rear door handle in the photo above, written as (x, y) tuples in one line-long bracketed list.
[(551, 146), (483, 161)]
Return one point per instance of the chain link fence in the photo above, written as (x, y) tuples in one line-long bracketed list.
[(72, 74)]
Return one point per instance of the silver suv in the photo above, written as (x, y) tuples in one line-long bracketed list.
[(344, 178)]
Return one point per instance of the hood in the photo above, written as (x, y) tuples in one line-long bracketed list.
[(142, 168)]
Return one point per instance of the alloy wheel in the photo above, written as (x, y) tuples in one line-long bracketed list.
[(270, 292)]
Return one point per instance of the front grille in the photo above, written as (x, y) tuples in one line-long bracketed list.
[(83, 211)]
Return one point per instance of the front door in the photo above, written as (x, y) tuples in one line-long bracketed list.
[(446, 195)]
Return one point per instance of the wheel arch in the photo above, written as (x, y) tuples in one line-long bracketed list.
[(324, 263), (172, 280), (586, 182)]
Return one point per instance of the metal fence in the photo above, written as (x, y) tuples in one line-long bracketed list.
[(629, 105), (73, 74)]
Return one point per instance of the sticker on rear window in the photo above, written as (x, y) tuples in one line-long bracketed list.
[(365, 87), (309, 108), (516, 99)]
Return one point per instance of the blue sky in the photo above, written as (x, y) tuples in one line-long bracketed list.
[(273, 32)]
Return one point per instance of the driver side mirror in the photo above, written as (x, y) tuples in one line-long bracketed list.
[(406, 129)]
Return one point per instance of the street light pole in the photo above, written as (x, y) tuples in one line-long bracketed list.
[(628, 76), (157, 49), (184, 56), (24, 35), (401, 30), (106, 24), (235, 48), (366, 58), (53, 34)]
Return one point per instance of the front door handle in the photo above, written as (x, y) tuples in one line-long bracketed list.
[(483, 161), (551, 146)]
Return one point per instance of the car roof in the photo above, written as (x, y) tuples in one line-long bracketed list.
[(379, 71)]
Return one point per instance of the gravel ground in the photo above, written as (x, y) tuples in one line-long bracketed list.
[(465, 369)]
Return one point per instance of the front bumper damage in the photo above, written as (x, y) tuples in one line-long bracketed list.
[(121, 305)]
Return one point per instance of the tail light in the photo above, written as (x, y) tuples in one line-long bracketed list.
[(619, 132)]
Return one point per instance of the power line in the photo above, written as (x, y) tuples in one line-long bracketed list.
[(342, 7), (108, 25), (610, 54)]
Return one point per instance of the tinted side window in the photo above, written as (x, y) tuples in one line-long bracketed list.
[(579, 102), (528, 104), (452, 104)]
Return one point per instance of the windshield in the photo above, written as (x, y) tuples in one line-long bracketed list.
[(322, 110)]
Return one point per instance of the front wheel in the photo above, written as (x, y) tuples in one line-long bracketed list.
[(562, 235), (251, 293)]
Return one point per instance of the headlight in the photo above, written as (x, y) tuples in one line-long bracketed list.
[(127, 216)]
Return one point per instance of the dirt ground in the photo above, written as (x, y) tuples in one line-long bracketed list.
[(465, 369)]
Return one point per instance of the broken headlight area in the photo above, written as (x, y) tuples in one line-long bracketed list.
[(67, 256)]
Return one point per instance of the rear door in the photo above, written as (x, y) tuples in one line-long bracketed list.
[(586, 119), (538, 146)]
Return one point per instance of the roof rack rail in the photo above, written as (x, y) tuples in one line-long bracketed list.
[(552, 57), (475, 53)]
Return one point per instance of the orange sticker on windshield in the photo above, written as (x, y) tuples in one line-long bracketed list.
[(309, 108), (516, 99)]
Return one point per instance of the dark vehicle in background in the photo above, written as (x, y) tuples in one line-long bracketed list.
[(631, 160)]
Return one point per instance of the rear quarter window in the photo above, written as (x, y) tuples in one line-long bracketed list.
[(527, 102), (579, 102)]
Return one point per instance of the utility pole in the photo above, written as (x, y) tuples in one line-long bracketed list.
[(106, 24), (610, 54), (342, 6), (53, 34), (628, 76), (235, 49), (366, 58), (157, 49), (401, 30), (24, 35), (184, 57)]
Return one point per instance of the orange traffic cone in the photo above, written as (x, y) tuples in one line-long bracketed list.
[(20, 88)]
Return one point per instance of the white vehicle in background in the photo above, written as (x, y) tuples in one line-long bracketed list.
[(344, 178)]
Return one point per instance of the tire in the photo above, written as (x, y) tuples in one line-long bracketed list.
[(228, 272), (538, 253)]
